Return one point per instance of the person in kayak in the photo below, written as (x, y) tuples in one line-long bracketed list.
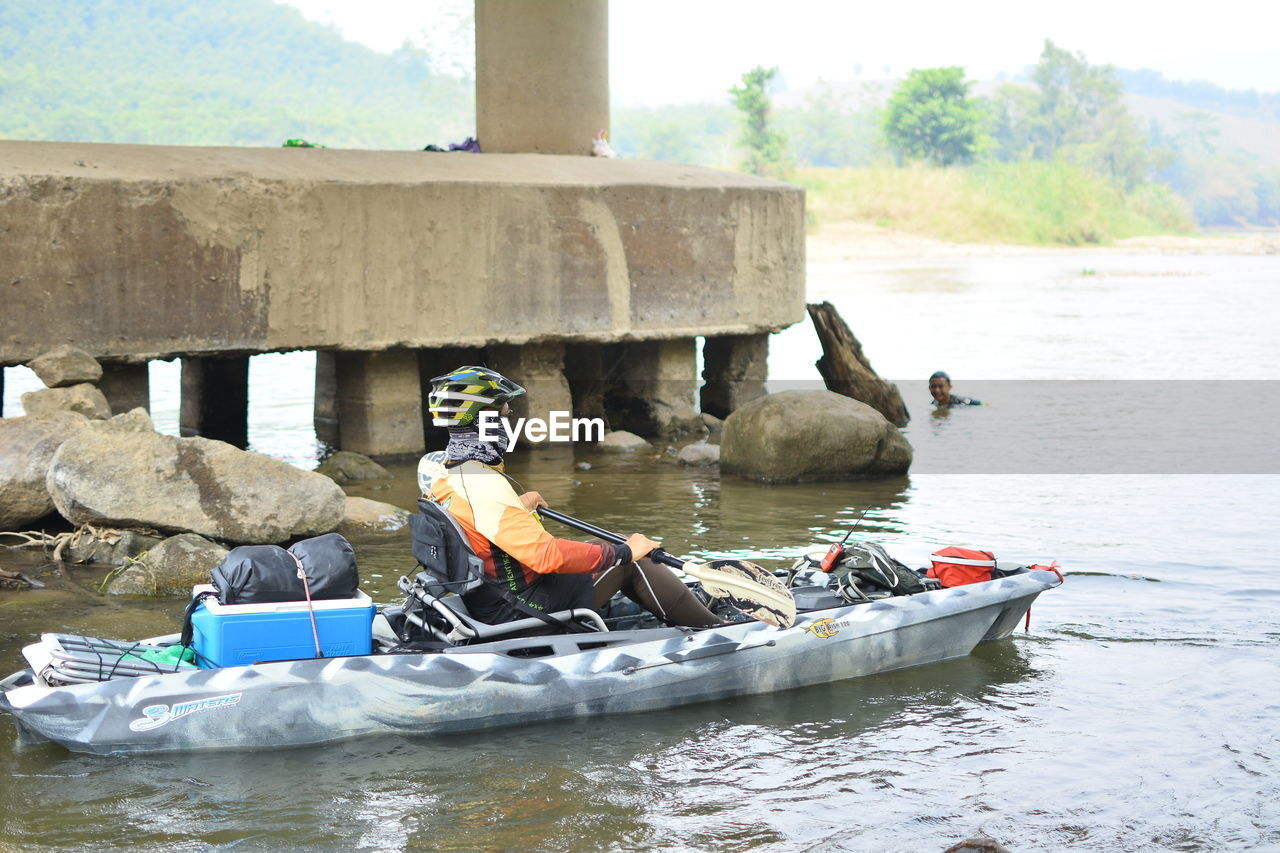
[(940, 389), (526, 568)]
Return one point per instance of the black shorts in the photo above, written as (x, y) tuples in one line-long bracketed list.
[(548, 594)]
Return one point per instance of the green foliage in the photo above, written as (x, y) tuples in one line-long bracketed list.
[(1029, 202), (765, 145), (931, 117), (834, 128), (699, 134), (239, 72)]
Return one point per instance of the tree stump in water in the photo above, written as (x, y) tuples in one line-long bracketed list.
[(846, 370)]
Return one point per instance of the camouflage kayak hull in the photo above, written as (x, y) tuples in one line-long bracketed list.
[(304, 702)]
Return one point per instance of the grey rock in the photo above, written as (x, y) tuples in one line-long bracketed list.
[(699, 454), (137, 479), (171, 568), (799, 436), (712, 423), (348, 467), (582, 466), (83, 399), (364, 516), (65, 365), (27, 446), (114, 547), (135, 420), (620, 439)]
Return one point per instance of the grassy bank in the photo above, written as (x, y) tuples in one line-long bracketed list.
[(1030, 203)]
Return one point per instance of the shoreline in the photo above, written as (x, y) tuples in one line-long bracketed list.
[(854, 241)]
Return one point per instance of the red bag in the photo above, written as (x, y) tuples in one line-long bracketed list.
[(956, 566)]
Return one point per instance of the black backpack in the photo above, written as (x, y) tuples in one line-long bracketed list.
[(441, 548), (871, 568)]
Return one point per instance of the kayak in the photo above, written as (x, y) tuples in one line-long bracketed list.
[(133, 705)]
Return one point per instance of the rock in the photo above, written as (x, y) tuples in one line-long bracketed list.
[(110, 547), (799, 436), (65, 365), (712, 423), (582, 466), (980, 844), (347, 467), (170, 568), (620, 439), (83, 399), (699, 454), (847, 371), (364, 516), (27, 446), (132, 479), (135, 420)]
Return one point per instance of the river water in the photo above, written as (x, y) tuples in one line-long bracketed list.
[(1138, 714)]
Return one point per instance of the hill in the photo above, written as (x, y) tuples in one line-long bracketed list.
[(236, 72)]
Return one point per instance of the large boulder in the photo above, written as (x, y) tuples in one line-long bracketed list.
[(171, 568), (699, 454), (27, 446), (798, 436), (83, 399), (65, 365), (364, 517), (348, 467), (620, 439), (123, 478), (113, 547)]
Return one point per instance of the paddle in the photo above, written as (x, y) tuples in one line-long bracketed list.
[(744, 585)]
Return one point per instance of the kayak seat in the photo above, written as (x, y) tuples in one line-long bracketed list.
[(446, 618)]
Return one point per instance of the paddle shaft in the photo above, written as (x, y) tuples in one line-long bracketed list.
[(657, 554)]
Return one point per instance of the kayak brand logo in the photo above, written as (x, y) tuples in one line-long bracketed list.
[(824, 629), (155, 716), (561, 427)]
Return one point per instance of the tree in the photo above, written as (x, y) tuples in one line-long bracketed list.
[(931, 117), (765, 145)]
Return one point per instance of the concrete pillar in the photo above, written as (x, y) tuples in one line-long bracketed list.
[(324, 411), (655, 393), (542, 75), (539, 368), (586, 368), (2, 390), (437, 362), (215, 398), (126, 385), (379, 402), (734, 368)]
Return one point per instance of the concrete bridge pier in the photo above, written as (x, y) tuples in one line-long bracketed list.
[(126, 385), (655, 386), (379, 402), (215, 398), (324, 416), (734, 368), (539, 369)]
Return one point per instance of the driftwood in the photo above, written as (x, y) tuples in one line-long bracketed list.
[(846, 370)]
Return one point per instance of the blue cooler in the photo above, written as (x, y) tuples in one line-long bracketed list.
[(240, 634)]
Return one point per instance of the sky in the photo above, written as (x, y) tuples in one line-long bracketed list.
[(676, 51)]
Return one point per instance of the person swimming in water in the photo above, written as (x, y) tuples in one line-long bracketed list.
[(940, 388)]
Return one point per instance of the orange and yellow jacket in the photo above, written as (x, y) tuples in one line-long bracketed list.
[(511, 541)]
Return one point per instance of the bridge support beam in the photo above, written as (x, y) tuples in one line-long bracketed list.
[(126, 385), (542, 75), (379, 402), (734, 368), (215, 398)]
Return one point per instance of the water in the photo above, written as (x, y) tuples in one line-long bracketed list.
[(1138, 714)]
